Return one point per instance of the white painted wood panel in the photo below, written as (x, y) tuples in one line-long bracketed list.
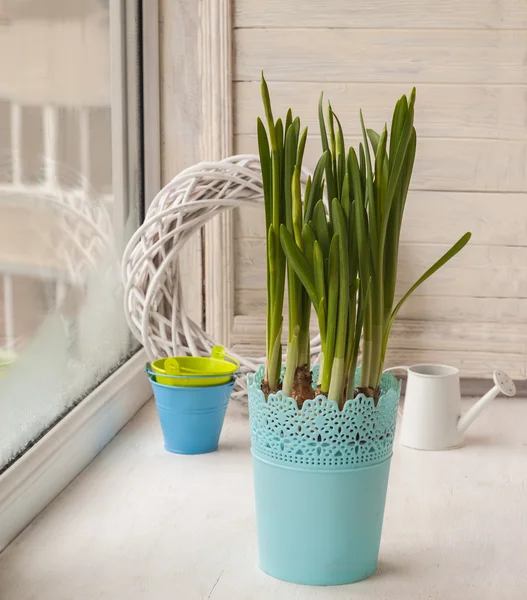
[(180, 97), (374, 55), (488, 271), (467, 60), (444, 164), (416, 334), (407, 14), (442, 110), (473, 365), (216, 143), (469, 310), (477, 351), (487, 215)]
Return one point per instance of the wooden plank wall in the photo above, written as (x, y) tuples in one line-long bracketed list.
[(467, 60), (181, 121)]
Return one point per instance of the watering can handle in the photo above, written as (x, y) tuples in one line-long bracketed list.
[(218, 352), (396, 368)]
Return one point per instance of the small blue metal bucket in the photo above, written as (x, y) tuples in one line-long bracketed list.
[(191, 417)]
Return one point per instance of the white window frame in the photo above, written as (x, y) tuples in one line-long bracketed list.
[(41, 473)]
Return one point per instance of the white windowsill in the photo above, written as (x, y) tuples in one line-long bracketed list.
[(140, 523), (38, 476)]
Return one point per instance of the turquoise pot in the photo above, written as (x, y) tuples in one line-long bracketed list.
[(320, 480)]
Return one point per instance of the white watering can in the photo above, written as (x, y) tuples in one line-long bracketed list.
[(432, 418)]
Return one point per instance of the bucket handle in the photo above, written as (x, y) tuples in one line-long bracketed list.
[(218, 352), (151, 373)]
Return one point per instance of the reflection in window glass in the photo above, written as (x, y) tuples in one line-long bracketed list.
[(62, 328)]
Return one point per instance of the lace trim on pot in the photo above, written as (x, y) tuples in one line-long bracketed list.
[(319, 434)]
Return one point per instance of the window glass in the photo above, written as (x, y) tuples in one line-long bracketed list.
[(62, 329)]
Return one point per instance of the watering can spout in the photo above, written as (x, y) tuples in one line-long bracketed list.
[(502, 384)]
